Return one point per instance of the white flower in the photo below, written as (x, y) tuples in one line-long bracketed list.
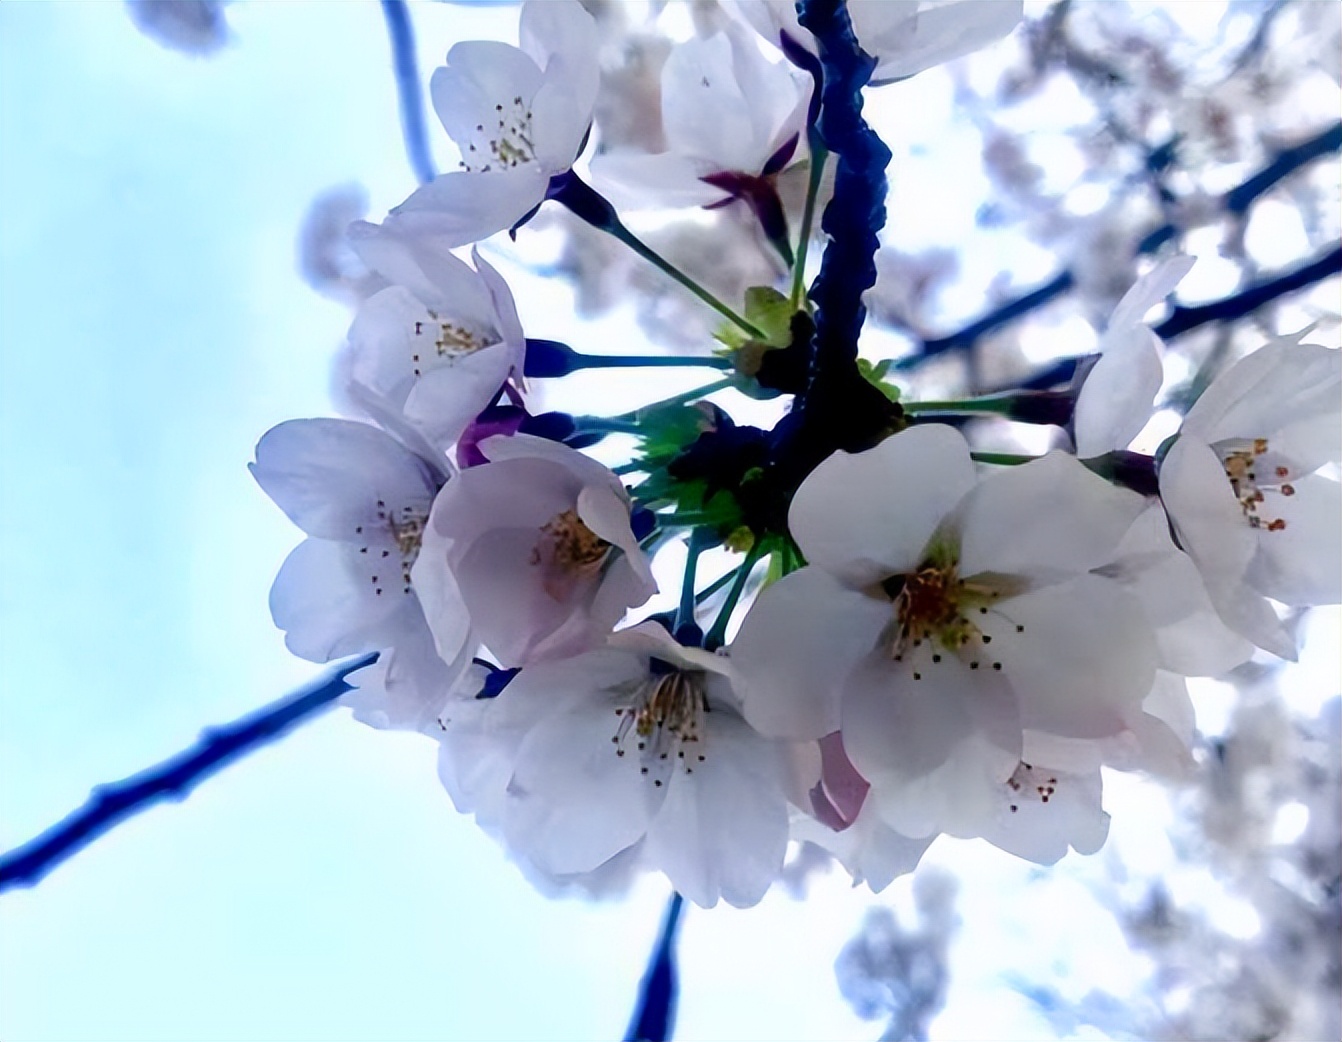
[(518, 116), (363, 499), (642, 743), (904, 36), (940, 616), (726, 109), (1243, 490), (440, 341), (538, 544), (1116, 399)]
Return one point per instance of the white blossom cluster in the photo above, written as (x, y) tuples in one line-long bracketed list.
[(944, 641)]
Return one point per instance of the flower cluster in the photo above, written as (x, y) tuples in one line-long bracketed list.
[(910, 638)]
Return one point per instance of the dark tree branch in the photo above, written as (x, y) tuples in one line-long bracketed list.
[(413, 129), (1236, 201), (1227, 309), (109, 805)]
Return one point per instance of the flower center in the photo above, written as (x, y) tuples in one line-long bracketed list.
[(1030, 784), (503, 146), (567, 552), (406, 527), (935, 606), (1245, 469), (450, 341), (667, 715)]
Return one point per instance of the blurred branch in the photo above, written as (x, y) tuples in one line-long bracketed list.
[(402, 34), (1227, 309), (109, 805), (1236, 201), (655, 1014)]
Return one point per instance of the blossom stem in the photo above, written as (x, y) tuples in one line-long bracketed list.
[(586, 203), (677, 399), (1001, 459), (1048, 407), (718, 633), (698, 543), (620, 232), (109, 805), (998, 406), (652, 361), (819, 154), (604, 425)]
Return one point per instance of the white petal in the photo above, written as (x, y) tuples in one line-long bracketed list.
[(1042, 831), (723, 827), (1150, 290), (563, 28), (1116, 400), (329, 476), (460, 207), (1279, 384), (1043, 520), (606, 512), (1213, 531), (330, 604), (409, 685), (426, 267), (703, 110), (1302, 563), (573, 803), (935, 35), (796, 644), (444, 400), (479, 76), (1085, 657), (866, 516), (934, 747)]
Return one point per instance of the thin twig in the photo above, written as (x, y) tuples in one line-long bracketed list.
[(413, 129), (173, 779)]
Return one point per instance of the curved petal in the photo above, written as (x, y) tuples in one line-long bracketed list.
[(932, 738), (1150, 290), (573, 803), (409, 685), (866, 516), (1042, 812), (906, 45), (330, 603), (1281, 383), (443, 400), (703, 110), (723, 828), (1116, 399), (333, 478), (1302, 563), (463, 207), (550, 28), (479, 76), (1083, 659), (1044, 521), (795, 646)]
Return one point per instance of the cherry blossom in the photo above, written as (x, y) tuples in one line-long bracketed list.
[(363, 499), (904, 36), (940, 617), (1246, 493), (438, 343), (637, 744), (519, 117), (731, 118), (537, 543)]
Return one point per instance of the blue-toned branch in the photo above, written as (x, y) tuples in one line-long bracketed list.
[(655, 1015), (1236, 201), (1234, 306), (408, 91), (109, 805)]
